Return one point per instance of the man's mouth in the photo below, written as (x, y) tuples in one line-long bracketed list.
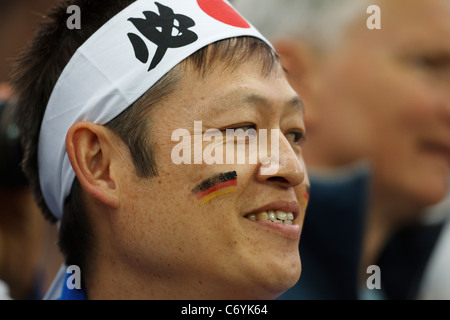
[(283, 212), (272, 216), (278, 216)]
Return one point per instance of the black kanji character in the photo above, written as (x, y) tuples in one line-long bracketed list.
[(159, 30)]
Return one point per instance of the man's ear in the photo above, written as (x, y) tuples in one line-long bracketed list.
[(300, 64), (91, 153)]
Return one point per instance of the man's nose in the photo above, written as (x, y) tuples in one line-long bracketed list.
[(290, 169)]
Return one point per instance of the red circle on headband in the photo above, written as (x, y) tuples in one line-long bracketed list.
[(222, 12)]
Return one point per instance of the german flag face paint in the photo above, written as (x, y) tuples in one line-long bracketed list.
[(215, 186), (305, 199)]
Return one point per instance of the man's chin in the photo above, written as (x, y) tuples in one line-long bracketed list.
[(283, 280)]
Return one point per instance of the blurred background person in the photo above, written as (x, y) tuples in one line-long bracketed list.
[(29, 257), (27, 242), (377, 94), (18, 20)]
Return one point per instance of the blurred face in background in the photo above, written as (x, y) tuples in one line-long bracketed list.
[(18, 21), (385, 94)]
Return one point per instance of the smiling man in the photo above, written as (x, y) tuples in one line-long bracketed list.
[(99, 106)]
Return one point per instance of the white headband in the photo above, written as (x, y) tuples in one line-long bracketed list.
[(117, 65)]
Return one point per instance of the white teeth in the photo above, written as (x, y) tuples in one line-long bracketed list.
[(262, 216), (272, 216), (282, 215)]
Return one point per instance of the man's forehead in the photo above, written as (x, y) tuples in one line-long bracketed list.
[(414, 15), (407, 25), (244, 98), (287, 101)]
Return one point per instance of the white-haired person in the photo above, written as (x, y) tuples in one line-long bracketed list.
[(375, 79)]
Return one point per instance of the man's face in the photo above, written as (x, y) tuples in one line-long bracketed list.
[(207, 246), (385, 94)]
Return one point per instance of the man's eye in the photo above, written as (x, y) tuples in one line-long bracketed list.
[(432, 63), (295, 137), (424, 62)]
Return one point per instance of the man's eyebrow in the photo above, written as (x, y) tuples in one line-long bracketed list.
[(297, 103), (256, 99)]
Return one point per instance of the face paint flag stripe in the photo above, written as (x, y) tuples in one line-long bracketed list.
[(215, 180), (305, 199), (218, 193), (217, 187)]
